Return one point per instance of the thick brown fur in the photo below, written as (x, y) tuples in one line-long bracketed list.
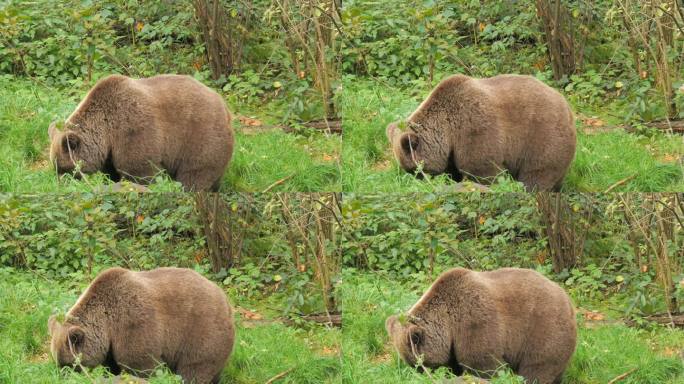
[(134, 321), (133, 128), (481, 127), (478, 321)]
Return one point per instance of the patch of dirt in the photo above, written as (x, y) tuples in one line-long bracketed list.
[(382, 165), (44, 354), (42, 163), (382, 358), (671, 351), (39, 358)]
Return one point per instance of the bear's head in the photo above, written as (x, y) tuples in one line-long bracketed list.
[(69, 147), (420, 341), (72, 343), (419, 148)]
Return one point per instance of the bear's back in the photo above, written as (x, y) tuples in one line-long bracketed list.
[(530, 303), (522, 288), (188, 115), (524, 101), (175, 286)]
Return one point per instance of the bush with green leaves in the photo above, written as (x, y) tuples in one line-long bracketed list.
[(62, 235), (74, 44), (406, 234)]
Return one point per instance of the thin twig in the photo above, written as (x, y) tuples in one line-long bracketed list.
[(278, 376), (284, 179), (619, 183), (622, 376)]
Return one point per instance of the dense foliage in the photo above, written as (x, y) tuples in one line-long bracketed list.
[(81, 40), (614, 47), (76, 236)]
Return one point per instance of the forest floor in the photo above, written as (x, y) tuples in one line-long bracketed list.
[(605, 350), (264, 347), (307, 161), (606, 158)]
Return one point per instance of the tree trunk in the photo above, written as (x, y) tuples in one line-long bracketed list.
[(565, 244), (215, 218), (560, 40), (212, 19)]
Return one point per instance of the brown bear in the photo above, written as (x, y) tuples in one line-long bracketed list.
[(475, 322), (481, 127), (133, 128), (133, 321)]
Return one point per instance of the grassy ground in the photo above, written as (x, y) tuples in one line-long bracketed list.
[(299, 162), (650, 162), (604, 351), (263, 349)]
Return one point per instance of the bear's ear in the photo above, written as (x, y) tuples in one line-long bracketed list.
[(70, 141), (415, 335), (76, 337), (409, 142)]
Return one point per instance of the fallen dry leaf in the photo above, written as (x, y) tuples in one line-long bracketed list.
[(593, 122), (594, 316), (250, 315), (329, 351), (250, 122), (670, 158), (199, 256), (541, 257)]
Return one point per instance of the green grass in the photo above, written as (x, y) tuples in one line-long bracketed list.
[(604, 351), (297, 162), (635, 162), (262, 349)]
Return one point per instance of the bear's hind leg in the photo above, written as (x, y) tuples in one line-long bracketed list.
[(198, 373), (542, 180), (540, 373), (206, 179)]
